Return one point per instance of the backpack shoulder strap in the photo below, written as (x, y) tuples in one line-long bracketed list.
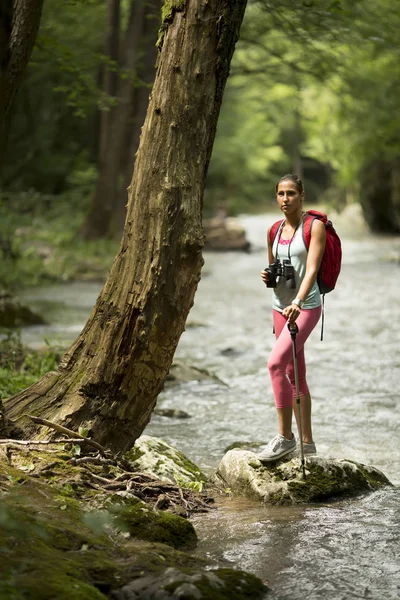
[(307, 224), (273, 231)]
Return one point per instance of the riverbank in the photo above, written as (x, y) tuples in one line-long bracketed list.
[(40, 241), (21, 366), (68, 531), (77, 522)]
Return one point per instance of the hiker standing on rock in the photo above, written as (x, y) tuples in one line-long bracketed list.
[(296, 298)]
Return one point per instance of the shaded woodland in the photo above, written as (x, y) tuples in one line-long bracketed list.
[(313, 89)]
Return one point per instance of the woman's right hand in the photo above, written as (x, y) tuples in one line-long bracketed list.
[(264, 276)]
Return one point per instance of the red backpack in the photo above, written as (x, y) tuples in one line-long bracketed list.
[(332, 258)]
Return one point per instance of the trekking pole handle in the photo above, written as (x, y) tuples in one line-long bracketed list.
[(294, 330)]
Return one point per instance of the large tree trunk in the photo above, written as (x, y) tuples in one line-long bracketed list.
[(396, 194), (110, 378), (146, 74), (101, 213), (109, 72), (19, 25), (380, 198)]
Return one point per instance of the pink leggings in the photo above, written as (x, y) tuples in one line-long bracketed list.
[(280, 362)]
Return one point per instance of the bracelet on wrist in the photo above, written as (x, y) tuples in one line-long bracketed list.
[(298, 302)]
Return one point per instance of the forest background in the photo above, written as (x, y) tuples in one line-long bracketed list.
[(314, 90)]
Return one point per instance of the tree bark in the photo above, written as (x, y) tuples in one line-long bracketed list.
[(19, 25), (109, 72), (146, 74), (109, 379), (6, 13), (100, 216), (380, 199), (395, 181)]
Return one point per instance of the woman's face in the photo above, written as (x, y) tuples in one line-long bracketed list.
[(290, 200)]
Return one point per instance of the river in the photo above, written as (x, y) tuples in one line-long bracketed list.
[(338, 550)]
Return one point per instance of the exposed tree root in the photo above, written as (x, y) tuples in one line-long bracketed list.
[(66, 431), (73, 464), (42, 442)]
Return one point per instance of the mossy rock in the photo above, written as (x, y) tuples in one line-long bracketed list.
[(147, 523), (125, 512), (171, 413), (47, 550), (15, 314), (51, 547), (156, 457), (252, 446), (181, 373), (225, 235), (281, 482), (174, 584)]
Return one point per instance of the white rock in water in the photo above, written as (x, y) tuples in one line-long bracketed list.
[(156, 457), (281, 482)]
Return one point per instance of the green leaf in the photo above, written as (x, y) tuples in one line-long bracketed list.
[(76, 450)]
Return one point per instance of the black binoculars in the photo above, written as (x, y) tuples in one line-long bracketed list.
[(280, 269)]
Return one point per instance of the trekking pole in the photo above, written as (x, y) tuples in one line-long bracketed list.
[(294, 330)]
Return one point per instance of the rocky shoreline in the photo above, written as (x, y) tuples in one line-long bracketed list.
[(282, 483), (81, 525), (15, 314)]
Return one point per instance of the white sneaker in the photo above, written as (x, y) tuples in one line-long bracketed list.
[(309, 448), (278, 447)]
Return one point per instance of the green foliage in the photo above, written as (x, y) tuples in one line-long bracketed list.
[(20, 367), (39, 241), (351, 117), (197, 486), (314, 86), (16, 261), (53, 125), (261, 132)]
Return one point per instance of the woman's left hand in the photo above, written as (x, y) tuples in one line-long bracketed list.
[(291, 312)]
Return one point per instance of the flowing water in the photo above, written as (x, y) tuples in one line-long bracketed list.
[(340, 550)]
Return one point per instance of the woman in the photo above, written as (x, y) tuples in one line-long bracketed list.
[(297, 300)]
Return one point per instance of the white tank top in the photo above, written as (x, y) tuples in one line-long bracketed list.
[(284, 294)]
